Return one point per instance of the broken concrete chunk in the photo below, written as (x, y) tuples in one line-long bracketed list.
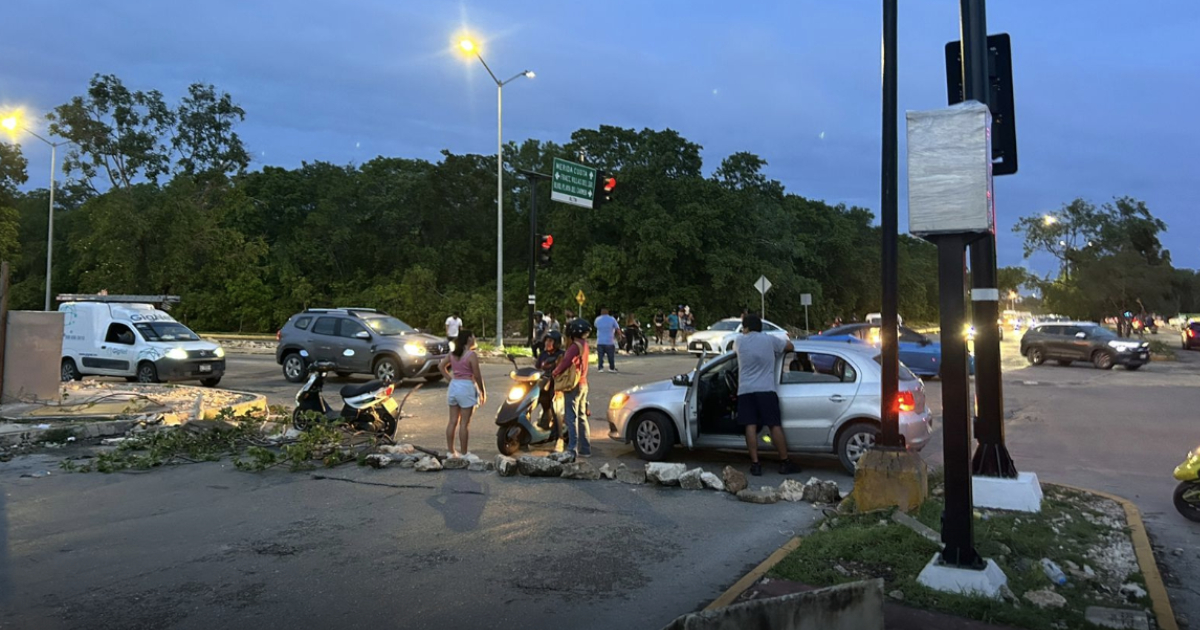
[(506, 466), (712, 481), (582, 470), (427, 464), (608, 472), (538, 466), (478, 465), (690, 480), (377, 460), (763, 495), (664, 474), (734, 480), (628, 475), (817, 491), (456, 463), (1045, 598), (791, 490)]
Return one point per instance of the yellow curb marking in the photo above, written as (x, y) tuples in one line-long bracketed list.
[(1160, 602), (753, 576)]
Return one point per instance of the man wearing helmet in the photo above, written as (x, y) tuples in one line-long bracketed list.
[(575, 398)]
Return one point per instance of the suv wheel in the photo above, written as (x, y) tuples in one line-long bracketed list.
[(1036, 355), (293, 367), (387, 370), (1102, 360)]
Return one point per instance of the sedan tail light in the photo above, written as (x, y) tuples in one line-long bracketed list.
[(906, 401)]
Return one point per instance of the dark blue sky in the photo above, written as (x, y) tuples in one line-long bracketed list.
[(1104, 89)]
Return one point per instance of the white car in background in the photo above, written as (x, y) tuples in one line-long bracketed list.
[(719, 337)]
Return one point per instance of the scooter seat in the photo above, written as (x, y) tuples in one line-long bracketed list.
[(350, 391)]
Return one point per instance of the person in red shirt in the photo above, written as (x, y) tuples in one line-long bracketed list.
[(575, 399)]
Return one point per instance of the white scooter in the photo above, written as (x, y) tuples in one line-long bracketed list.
[(368, 406)]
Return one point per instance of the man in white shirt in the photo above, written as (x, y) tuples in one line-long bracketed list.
[(453, 324)]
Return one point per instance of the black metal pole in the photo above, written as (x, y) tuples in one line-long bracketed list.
[(533, 253), (889, 437), (991, 455), (957, 527)]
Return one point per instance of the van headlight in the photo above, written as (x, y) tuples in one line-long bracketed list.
[(416, 349), (219, 352), (177, 354)]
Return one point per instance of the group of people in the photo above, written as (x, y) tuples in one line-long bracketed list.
[(565, 362), (677, 323)]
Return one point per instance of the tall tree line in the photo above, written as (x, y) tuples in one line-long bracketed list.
[(159, 199)]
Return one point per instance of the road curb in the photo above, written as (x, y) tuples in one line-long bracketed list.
[(754, 575), (1155, 588)]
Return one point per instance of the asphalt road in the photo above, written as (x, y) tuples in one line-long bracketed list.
[(205, 545)]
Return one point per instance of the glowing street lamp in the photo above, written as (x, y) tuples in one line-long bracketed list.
[(469, 47), (12, 123)]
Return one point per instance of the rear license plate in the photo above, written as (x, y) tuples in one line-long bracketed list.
[(391, 405), (206, 367)]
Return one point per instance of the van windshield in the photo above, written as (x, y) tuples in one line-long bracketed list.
[(166, 331)]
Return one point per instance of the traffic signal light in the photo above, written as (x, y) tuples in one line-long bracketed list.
[(546, 243), (1000, 98), (605, 184)]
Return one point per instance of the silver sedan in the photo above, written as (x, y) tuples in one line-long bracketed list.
[(829, 396)]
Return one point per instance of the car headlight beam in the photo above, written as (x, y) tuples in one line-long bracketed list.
[(618, 401), (177, 354), (219, 352), (416, 349)]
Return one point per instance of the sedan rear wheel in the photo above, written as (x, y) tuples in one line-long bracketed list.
[(653, 436), (856, 440)]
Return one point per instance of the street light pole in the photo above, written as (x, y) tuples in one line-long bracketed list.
[(12, 123), (470, 47)]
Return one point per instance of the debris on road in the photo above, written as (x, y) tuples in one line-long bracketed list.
[(506, 466), (734, 480), (427, 464), (763, 495), (818, 491), (532, 466), (690, 480), (712, 481), (608, 472), (635, 476), (582, 470)]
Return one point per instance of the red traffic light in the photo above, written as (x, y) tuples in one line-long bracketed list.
[(547, 241), (610, 183)]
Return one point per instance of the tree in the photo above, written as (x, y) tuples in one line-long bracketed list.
[(203, 138), (13, 172)]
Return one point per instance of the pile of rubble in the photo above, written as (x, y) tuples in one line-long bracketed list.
[(564, 466)]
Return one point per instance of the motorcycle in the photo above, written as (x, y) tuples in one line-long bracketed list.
[(514, 420), (636, 341), (366, 407), (1187, 493)]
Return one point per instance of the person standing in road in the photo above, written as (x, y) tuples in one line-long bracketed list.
[(453, 324), (673, 327), (758, 400), (575, 398), (660, 320), (465, 391), (607, 333), (540, 328)]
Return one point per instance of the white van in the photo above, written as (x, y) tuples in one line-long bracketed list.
[(877, 318), (125, 335)]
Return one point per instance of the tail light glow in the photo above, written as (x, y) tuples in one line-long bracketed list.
[(388, 392), (906, 401)]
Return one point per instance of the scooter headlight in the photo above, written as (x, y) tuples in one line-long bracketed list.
[(516, 393), (177, 354)]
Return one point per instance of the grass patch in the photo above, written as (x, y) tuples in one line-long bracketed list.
[(1160, 348), (854, 547)]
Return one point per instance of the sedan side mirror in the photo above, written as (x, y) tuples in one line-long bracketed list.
[(362, 334), (1081, 335)]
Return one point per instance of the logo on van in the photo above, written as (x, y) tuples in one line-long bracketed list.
[(151, 317)]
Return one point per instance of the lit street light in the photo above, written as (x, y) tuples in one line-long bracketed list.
[(12, 123), (470, 48)]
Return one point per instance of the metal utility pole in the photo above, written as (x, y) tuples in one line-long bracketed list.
[(533, 178), (991, 457), (889, 437)]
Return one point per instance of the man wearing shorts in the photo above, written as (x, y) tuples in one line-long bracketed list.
[(673, 327), (758, 400)]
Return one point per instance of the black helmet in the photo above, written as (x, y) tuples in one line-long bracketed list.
[(556, 337), (578, 328), (537, 314)]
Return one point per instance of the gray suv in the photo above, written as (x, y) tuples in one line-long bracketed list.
[(1067, 342), (359, 341)]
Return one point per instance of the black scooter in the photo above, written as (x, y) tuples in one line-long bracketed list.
[(365, 407), (514, 422), (635, 340)]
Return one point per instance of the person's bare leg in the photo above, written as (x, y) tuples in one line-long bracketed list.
[(455, 410), (780, 442), (752, 442), (464, 429)]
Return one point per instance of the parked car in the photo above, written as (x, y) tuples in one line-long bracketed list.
[(833, 410), (358, 341), (126, 335), (877, 319), (921, 354), (1190, 335), (720, 336), (1067, 342)]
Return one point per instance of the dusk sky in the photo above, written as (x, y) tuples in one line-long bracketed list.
[(1103, 88)]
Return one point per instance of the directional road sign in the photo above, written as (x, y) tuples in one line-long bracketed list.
[(572, 183), (763, 285)]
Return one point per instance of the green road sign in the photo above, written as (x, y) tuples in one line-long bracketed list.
[(572, 183)]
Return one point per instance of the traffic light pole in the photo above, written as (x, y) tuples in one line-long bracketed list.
[(889, 436), (533, 177), (991, 458)]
